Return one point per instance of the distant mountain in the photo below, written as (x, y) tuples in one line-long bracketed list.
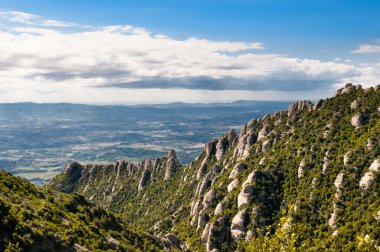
[(302, 180), (37, 140)]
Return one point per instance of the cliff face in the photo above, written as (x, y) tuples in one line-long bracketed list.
[(308, 177)]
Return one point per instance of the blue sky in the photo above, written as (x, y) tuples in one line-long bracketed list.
[(340, 36)]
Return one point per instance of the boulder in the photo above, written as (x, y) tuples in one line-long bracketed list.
[(172, 240), (357, 120), (209, 198), (205, 233), (263, 133), (234, 183), (349, 87), (354, 105), (238, 224), (301, 168), (250, 178), (219, 208), (266, 144), (237, 170), (245, 195), (368, 178)]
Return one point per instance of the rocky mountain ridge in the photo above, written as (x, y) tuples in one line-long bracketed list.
[(305, 178)]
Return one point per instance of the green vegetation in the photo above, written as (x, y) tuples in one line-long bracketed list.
[(289, 209), (41, 219)]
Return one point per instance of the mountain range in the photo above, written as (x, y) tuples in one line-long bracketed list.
[(305, 179)]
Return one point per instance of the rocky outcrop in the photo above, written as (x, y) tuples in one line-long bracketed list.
[(172, 164), (338, 184), (348, 88), (209, 198), (245, 195), (237, 170), (325, 162), (234, 183), (250, 178), (209, 148), (219, 208), (246, 138), (319, 104), (368, 178), (238, 225), (73, 170), (205, 184), (354, 105), (296, 107), (224, 143), (202, 169), (357, 120), (202, 219), (145, 177), (301, 168)]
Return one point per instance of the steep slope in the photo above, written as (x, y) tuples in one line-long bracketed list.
[(35, 219), (306, 178)]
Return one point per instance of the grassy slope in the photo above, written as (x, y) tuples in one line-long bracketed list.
[(40, 219)]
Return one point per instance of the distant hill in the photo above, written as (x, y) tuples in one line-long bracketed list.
[(37, 140)]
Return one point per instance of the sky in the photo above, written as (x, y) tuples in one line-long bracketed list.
[(161, 51)]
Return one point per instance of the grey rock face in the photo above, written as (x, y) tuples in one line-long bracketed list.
[(296, 107), (301, 168), (172, 240), (145, 177), (202, 169), (349, 87), (357, 120), (202, 218), (209, 198), (319, 104), (234, 183), (237, 170), (73, 170), (206, 183), (354, 105), (172, 164), (209, 148), (368, 178), (238, 225), (224, 143), (219, 208), (245, 195)]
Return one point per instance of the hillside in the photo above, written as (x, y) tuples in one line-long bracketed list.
[(41, 219), (307, 178)]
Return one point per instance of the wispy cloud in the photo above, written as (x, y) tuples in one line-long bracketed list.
[(47, 60), (368, 48), (30, 19)]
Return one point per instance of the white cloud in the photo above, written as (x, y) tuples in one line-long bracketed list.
[(30, 19), (44, 61), (367, 48)]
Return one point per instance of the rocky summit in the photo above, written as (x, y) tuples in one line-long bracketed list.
[(306, 179)]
